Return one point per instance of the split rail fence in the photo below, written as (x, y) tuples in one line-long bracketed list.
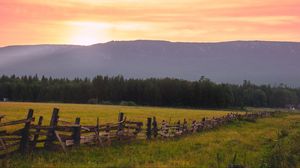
[(60, 134)]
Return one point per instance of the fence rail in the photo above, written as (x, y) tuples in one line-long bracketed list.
[(62, 134)]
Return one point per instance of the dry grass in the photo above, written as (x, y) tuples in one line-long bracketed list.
[(249, 141), (106, 113)]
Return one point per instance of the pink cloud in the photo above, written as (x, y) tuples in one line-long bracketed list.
[(227, 19)]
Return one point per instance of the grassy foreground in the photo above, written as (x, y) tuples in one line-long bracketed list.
[(263, 144)]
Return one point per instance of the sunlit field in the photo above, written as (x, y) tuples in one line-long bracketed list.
[(106, 113), (253, 144)]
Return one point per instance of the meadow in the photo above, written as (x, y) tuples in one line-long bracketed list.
[(255, 144), (106, 113)]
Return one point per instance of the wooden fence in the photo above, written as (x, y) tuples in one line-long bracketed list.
[(61, 134)]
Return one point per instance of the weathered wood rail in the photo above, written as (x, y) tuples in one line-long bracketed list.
[(61, 134)]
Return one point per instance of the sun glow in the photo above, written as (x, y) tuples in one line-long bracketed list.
[(87, 22), (87, 33)]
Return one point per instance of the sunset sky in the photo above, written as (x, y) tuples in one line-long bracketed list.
[(92, 21)]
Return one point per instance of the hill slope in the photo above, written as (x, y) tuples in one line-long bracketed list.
[(258, 61)]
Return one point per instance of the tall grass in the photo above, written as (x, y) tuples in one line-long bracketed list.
[(106, 113), (254, 144), (250, 142)]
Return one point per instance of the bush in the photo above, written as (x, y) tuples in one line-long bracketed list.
[(93, 101), (283, 152), (282, 133), (107, 102), (127, 103)]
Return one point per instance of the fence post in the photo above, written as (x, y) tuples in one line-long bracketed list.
[(148, 133), (24, 144), (155, 130), (37, 133), (178, 126), (76, 132), (120, 119), (4, 162), (97, 132), (97, 126), (120, 132), (51, 132), (107, 131)]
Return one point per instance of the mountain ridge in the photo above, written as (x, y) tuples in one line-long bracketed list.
[(141, 40), (263, 62)]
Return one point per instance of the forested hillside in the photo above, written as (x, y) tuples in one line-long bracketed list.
[(152, 91), (261, 62)]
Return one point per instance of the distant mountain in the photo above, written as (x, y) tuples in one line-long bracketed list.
[(261, 62)]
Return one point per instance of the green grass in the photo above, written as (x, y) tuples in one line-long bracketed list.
[(251, 141)]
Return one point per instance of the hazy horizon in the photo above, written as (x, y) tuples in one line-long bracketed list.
[(203, 42)]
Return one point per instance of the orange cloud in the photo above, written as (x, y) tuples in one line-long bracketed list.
[(56, 21)]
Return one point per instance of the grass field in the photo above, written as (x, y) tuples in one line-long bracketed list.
[(106, 113), (255, 143)]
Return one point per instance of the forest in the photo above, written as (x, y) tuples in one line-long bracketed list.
[(169, 92)]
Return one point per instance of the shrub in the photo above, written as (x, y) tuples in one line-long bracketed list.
[(127, 103), (283, 152), (107, 102), (93, 101)]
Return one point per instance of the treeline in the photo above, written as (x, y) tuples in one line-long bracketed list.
[(152, 91)]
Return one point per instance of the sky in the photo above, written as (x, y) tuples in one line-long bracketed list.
[(86, 22)]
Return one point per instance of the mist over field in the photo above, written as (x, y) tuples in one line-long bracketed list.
[(261, 62)]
